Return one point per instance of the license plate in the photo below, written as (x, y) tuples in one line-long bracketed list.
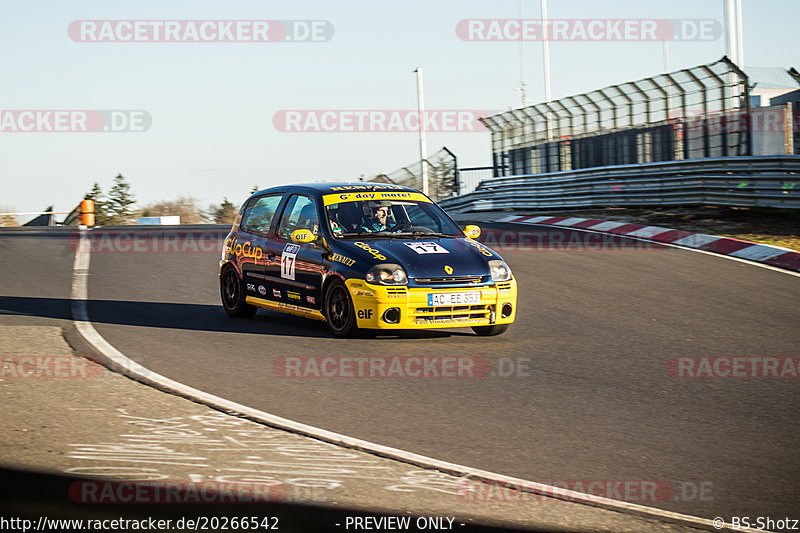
[(454, 298)]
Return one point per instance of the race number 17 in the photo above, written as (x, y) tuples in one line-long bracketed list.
[(288, 260)]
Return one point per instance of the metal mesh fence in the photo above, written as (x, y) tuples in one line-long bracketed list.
[(442, 172), (772, 128), (691, 113)]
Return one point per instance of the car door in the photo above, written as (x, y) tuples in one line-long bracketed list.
[(299, 270), (252, 246)]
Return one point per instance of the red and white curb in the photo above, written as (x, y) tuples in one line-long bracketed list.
[(776, 256)]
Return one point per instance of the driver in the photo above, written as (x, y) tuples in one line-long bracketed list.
[(377, 216)]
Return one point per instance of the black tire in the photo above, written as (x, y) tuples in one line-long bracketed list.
[(232, 295), (489, 331), (339, 311)]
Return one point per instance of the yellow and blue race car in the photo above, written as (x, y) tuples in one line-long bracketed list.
[(369, 256)]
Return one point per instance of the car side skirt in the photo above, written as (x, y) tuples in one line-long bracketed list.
[(285, 308)]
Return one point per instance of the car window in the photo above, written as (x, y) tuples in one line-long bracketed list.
[(351, 218), (419, 217), (300, 213), (346, 217), (258, 215)]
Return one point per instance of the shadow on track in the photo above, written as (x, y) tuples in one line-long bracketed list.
[(198, 317), (30, 495)]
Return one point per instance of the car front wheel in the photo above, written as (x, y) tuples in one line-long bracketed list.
[(339, 310), (233, 297)]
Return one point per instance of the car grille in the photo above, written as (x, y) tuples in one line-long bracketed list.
[(395, 290), (457, 312), (450, 279)]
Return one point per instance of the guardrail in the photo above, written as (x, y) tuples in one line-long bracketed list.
[(772, 181), (82, 214)]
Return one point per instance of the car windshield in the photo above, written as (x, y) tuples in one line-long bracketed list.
[(389, 218)]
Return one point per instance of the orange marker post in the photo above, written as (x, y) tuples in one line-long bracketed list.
[(87, 213)]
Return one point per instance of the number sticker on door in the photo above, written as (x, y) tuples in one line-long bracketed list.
[(288, 260)]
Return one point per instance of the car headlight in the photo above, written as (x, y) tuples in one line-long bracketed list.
[(499, 270), (387, 274)]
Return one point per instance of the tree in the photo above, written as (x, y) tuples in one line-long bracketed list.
[(184, 206), (224, 213), (442, 173), (7, 221), (100, 204), (255, 189), (120, 202)]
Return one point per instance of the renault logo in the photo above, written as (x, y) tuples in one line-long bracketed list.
[(448, 269)]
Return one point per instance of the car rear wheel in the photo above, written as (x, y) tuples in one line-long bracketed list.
[(488, 331), (233, 297), (339, 310)]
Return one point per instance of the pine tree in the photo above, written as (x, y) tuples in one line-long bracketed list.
[(443, 174), (101, 216), (120, 202), (225, 213)]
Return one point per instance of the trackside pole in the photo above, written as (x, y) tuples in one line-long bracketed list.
[(423, 152)]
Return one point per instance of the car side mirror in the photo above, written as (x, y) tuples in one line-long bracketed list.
[(303, 235), (472, 231)]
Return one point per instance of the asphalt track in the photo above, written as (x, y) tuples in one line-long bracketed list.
[(593, 400)]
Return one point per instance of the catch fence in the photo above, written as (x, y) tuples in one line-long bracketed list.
[(699, 112)]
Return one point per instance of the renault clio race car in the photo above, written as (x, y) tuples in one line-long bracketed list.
[(370, 256)]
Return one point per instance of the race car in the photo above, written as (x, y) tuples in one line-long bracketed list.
[(368, 256)]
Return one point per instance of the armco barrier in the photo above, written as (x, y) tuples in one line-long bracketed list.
[(772, 181)]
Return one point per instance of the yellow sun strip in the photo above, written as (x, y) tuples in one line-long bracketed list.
[(329, 199)]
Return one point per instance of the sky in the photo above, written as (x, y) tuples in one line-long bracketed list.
[(211, 105)]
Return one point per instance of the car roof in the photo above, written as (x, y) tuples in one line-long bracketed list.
[(319, 189)]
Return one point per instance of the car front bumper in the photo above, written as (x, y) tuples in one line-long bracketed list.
[(377, 306)]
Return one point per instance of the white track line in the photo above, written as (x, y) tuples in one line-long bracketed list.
[(80, 314)]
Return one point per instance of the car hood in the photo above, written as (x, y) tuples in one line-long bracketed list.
[(465, 257)]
